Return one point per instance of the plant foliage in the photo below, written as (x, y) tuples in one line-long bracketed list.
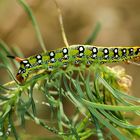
[(98, 95)]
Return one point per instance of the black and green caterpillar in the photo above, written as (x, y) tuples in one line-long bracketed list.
[(75, 55)]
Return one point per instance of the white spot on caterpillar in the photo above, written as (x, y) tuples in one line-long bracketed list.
[(81, 48), (131, 51), (94, 55), (38, 56), (25, 61), (23, 71), (124, 50), (52, 60), (94, 50), (116, 50), (27, 65), (66, 56), (65, 50), (106, 56), (106, 51), (81, 54), (39, 61), (52, 54), (19, 71)]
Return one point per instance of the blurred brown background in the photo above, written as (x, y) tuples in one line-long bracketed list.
[(120, 25), (120, 21)]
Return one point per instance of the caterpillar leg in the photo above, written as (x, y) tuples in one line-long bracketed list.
[(137, 59)]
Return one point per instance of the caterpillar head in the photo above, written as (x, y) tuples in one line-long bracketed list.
[(22, 75), (22, 72), (20, 78)]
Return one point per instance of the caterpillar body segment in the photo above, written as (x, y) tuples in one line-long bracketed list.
[(75, 55)]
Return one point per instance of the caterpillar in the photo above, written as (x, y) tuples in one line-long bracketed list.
[(75, 55)]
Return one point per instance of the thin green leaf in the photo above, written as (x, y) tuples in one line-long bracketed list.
[(34, 22), (111, 107), (107, 124), (94, 34)]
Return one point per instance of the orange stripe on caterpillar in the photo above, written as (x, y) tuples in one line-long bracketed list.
[(18, 59)]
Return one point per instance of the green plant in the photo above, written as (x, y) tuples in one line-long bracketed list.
[(96, 95)]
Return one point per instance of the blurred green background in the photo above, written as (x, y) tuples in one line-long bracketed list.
[(120, 26)]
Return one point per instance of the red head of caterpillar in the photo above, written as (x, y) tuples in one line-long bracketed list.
[(75, 55), (19, 75)]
